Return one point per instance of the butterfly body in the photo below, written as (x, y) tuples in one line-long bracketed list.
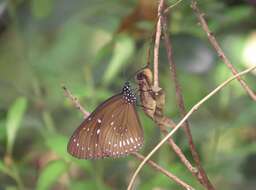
[(112, 130)]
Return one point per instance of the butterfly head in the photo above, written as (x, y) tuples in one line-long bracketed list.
[(128, 94)]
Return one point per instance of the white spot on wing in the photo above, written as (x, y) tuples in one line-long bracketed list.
[(120, 143), (131, 139), (77, 144), (98, 131), (112, 123), (99, 120)]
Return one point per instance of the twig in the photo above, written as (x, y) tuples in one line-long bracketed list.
[(157, 44), (75, 101), (203, 176), (193, 109), (155, 113), (159, 168), (171, 6), (216, 46), (180, 154), (155, 166)]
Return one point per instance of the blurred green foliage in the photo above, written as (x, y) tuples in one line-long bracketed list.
[(47, 43), (50, 174)]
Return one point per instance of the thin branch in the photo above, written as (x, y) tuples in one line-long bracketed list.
[(154, 102), (216, 46), (75, 101), (156, 88), (203, 177), (192, 110), (162, 170), (179, 153), (157, 44), (171, 6), (154, 165)]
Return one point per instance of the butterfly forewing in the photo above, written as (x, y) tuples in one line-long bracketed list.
[(83, 142), (112, 130)]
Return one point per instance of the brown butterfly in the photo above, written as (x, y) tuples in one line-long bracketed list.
[(112, 130)]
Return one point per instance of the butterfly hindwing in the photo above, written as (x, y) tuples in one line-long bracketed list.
[(125, 135)]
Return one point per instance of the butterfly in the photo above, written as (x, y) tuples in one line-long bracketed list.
[(112, 130)]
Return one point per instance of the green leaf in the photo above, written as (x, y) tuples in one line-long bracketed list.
[(85, 164), (104, 53), (123, 50), (11, 188), (231, 91), (237, 14), (83, 185), (2, 166), (88, 184), (41, 8), (58, 143), (2, 129), (14, 117), (50, 174), (48, 120), (4, 169), (157, 181)]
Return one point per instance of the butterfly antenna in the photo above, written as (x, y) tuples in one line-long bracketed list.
[(148, 55)]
